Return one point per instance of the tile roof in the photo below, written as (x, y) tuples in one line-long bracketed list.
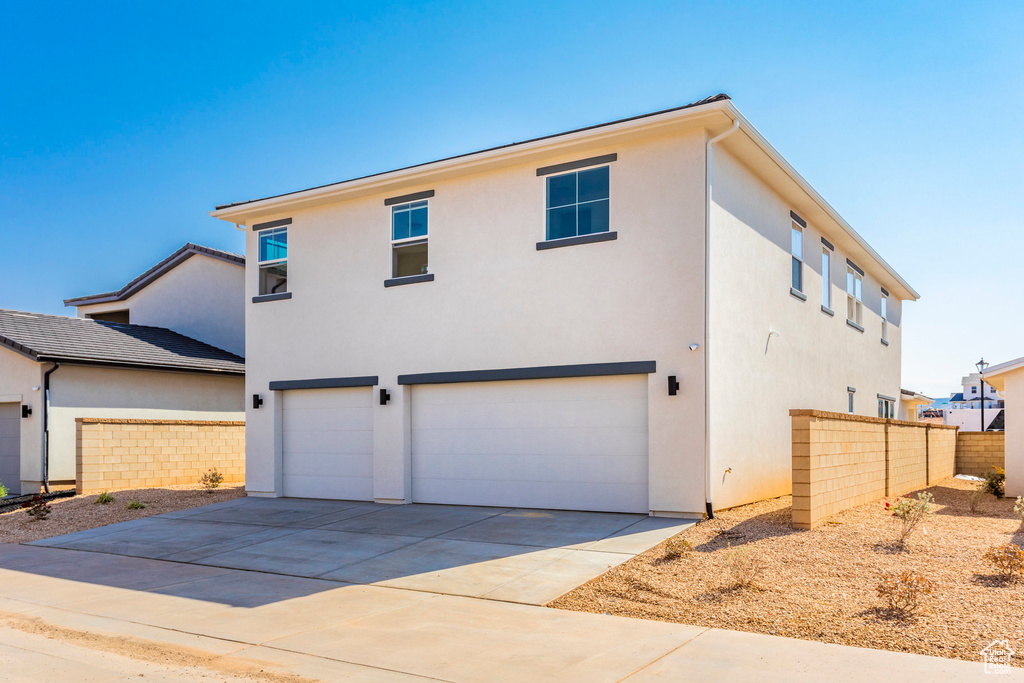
[(155, 272), (44, 337)]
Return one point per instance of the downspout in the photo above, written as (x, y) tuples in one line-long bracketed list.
[(46, 426), (708, 507)]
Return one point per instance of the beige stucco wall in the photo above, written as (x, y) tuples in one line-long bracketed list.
[(78, 391), (812, 361), (18, 377), (201, 298), (1014, 393), (497, 302)]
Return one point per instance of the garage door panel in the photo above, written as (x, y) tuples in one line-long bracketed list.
[(325, 441), (574, 413), (564, 496), (329, 465), (524, 391), (334, 488), (342, 418), (525, 468), (10, 446), (597, 442)]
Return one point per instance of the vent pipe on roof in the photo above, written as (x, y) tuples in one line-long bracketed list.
[(46, 426)]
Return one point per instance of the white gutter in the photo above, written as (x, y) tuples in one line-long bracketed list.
[(708, 506)]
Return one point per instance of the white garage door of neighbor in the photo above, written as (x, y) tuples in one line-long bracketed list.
[(328, 443), (10, 446), (570, 444)]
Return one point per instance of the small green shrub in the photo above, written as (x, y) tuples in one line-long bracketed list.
[(995, 482), (911, 513), (104, 498), (677, 547), (36, 508), (746, 565), (904, 590), (977, 496), (211, 479), (136, 505), (3, 490), (1008, 560), (1018, 508)]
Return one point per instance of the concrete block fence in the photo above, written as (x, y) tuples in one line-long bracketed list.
[(841, 461), (978, 452), (119, 454)]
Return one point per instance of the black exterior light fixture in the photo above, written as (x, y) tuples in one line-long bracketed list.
[(384, 397), (981, 365), (673, 385), (256, 401), (26, 410)]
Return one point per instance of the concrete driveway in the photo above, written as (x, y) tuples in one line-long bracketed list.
[(513, 555)]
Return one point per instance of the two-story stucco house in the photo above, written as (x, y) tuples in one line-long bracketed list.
[(614, 318)]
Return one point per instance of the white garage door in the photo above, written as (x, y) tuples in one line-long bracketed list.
[(571, 444), (10, 446), (328, 443)]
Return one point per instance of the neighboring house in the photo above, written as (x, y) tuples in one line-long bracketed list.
[(911, 404), (615, 318), (54, 369), (1008, 379), (965, 407), (196, 291)]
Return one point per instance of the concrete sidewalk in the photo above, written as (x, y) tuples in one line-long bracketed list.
[(233, 622)]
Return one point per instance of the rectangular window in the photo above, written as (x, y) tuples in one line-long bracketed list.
[(409, 239), (797, 248), (578, 203), (826, 277), (854, 306), (849, 395), (273, 261), (885, 317), (886, 408)]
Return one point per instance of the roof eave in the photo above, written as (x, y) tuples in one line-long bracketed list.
[(93, 362)]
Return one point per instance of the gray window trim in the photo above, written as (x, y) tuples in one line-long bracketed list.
[(645, 367), (855, 267), (827, 244), (573, 165), (885, 343), (579, 239), (801, 221), (426, 194), (827, 311), (854, 325), (798, 294), (885, 292), (325, 383), (409, 280), (272, 224), (852, 390), (271, 297), (886, 398)]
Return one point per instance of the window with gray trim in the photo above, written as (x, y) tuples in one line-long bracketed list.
[(577, 203), (797, 249), (886, 407), (885, 316), (409, 239), (273, 260)]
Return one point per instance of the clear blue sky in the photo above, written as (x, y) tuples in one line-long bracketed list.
[(123, 124)]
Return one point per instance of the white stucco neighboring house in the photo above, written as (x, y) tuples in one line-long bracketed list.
[(911, 403), (615, 318), (1008, 379)]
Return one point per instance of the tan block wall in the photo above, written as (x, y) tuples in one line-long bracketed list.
[(978, 452), (841, 461), (119, 454)]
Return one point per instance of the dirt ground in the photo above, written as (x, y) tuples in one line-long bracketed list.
[(83, 512), (821, 584)]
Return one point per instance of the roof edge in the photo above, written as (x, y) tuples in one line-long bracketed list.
[(1003, 368)]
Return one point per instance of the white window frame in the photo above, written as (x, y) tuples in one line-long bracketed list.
[(854, 294), (408, 241), (798, 259), (850, 395), (885, 317), (826, 277), (261, 265)]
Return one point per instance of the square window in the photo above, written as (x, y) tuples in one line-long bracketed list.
[(577, 203)]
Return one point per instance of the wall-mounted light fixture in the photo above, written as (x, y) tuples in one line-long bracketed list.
[(673, 385), (694, 347), (384, 397), (26, 410), (256, 401)]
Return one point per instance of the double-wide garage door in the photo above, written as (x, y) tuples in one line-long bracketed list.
[(10, 446), (571, 444)]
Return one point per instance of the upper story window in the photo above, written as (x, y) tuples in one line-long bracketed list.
[(273, 261), (409, 239), (826, 277), (854, 305), (577, 203), (886, 407), (974, 390), (797, 239), (885, 315)]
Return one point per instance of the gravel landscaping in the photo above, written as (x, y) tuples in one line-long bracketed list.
[(822, 584), (83, 512)]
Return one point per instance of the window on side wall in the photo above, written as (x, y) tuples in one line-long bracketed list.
[(885, 316), (409, 239), (797, 249), (854, 305), (886, 408), (826, 277), (273, 261), (849, 400), (577, 203)]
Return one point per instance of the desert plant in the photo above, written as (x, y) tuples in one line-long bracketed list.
[(211, 479), (911, 513), (1008, 559), (746, 565), (1018, 508), (977, 496), (37, 508), (104, 498), (136, 505), (995, 481), (3, 490), (903, 590), (677, 547)]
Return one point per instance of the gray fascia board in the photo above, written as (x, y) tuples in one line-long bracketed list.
[(543, 372), (325, 383), (124, 365), (19, 348)]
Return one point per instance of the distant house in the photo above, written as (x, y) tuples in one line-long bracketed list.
[(911, 403), (965, 407)]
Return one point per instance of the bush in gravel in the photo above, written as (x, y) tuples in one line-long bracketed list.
[(746, 565), (977, 495), (677, 547), (136, 505), (995, 482), (911, 513), (211, 479), (37, 508), (1018, 508), (104, 498), (904, 590), (1008, 559)]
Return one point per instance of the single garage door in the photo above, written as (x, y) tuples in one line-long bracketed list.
[(10, 446), (328, 443), (571, 444)]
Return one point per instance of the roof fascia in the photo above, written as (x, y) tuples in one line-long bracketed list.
[(138, 366), (20, 349)]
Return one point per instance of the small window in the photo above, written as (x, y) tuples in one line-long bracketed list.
[(273, 263), (409, 239), (974, 390), (886, 408), (578, 203), (885, 317), (826, 277), (797, 248), (854, 306), (849, 395)]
